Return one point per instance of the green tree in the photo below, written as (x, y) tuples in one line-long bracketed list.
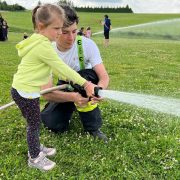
[(14, 7), (68, 2)]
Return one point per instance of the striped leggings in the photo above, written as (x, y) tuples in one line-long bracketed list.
[(31, 112)]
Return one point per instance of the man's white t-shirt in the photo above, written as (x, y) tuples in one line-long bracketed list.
[(91, 53)]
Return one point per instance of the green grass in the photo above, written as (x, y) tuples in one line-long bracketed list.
[(21, 21), (144, 144)]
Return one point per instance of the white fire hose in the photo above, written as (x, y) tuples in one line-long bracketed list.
[(63, 86)]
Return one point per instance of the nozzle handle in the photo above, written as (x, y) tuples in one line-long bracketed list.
[(96, 91)]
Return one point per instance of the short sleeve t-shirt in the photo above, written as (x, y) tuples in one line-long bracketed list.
[(91, 53), (107, 24)]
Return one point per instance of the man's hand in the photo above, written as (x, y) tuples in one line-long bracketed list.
[(95, 100), (79, 100)]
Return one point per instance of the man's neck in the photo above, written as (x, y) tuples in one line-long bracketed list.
[(60, 48)]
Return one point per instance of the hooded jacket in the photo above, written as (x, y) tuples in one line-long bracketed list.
[(39, 59)]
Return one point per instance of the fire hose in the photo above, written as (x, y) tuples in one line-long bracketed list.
[(63, 86), (70, 87)]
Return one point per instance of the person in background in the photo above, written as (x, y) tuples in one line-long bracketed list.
[(1, 18), (5, 30), (88, 32), (25, 35), (107, 27), (81, 32), (57, 114), (39, 60), (1, 28)]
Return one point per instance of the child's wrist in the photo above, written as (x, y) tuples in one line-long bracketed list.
[(87, 84)]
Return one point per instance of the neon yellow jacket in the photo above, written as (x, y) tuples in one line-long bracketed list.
[(39, 59)]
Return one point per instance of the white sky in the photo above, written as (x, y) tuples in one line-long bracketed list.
[(138, 6)]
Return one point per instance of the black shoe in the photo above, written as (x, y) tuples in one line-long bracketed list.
[(100, 135)]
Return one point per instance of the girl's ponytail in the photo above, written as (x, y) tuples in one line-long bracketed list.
[(34, 16), (44, 14)]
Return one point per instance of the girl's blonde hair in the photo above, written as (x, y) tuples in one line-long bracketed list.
[(44, 13)]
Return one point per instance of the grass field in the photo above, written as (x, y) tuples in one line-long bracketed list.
[(144, 144)]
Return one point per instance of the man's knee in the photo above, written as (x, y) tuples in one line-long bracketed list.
[(58, 128), (54, 123), (55, 118), (91, 120)]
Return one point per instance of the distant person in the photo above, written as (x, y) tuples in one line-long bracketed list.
[(88, 32), (25, 35), (39, 60), (107, 27), (5, 30), (81, 32), (1, 28), (1, 18)]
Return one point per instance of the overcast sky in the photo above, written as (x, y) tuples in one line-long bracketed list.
[(138, 6)]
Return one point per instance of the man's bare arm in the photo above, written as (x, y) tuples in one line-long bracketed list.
[(102, 75)]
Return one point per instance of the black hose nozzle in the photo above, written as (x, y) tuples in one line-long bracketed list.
[(80, 89), (96, 91)]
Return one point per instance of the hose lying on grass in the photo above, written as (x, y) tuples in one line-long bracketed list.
[(41, 93)]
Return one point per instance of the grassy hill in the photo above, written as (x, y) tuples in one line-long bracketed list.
[(144, 144), (21, 21)]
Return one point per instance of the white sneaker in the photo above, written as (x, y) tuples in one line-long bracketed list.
[(47, 151), (41, 162)]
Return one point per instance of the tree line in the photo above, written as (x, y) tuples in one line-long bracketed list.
[(126, 9), (14, 7), (17, 7), (104, 9)]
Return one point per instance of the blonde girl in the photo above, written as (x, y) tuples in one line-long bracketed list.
[(38, 61)]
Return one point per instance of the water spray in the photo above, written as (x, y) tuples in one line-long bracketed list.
[(155, 103), (166, 29)]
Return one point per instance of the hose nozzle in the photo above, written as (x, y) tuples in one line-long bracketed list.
[(96, 91)]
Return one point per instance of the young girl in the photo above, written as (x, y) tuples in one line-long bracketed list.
[(38, 61), (88, 32)]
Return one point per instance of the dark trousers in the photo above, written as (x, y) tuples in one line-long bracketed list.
[(56, 117), (106, 34), (31, 112), (2, 38)]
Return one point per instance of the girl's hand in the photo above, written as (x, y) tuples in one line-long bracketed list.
[(89, 88)]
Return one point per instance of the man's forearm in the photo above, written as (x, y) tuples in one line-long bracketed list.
[(104, 81), (102, 75), (59, 96)]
